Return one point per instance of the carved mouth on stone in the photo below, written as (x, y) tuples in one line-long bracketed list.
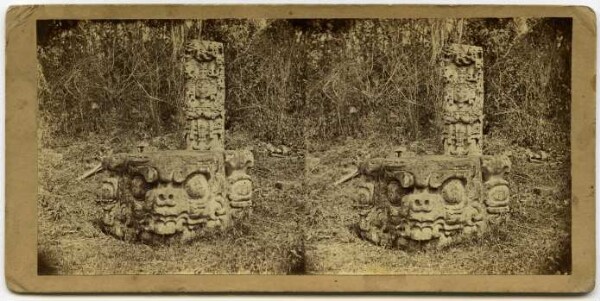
[(171, 211), (166, 228), (494, 203), (424, 224), (418, 233), (425, 230), (168, 224), (187, 217), (425, 220), (498, 209), (168, 218)]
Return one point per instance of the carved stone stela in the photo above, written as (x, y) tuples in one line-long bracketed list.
[(434, 199), (178, 194), (204, 95), (463, 99)]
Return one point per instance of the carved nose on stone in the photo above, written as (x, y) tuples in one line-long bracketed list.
[(165, 199), (421, 204)]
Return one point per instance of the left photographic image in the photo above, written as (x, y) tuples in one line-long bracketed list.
[(169, 147)]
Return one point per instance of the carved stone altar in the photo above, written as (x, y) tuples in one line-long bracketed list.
[(165, 195), (434, 199)]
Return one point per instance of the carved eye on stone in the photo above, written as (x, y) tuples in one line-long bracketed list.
[(499, 193), (197, 186), (395, 192), (242, 187), (407, 180), (138, 187), (108, 191), (454, 191)]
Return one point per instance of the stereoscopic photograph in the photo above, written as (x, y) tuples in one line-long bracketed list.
[(304, 146)]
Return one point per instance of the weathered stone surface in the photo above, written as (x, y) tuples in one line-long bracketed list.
[(497, 192), (240, 183), (173, 193), (463, 99), (423, 198), (204, 95)]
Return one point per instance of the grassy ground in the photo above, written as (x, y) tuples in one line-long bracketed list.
[(533, 239), (70, 241), (304, 228)]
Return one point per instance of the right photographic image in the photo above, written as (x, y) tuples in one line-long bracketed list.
[(437, 146)]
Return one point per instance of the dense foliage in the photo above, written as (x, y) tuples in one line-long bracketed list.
[(293, 81)]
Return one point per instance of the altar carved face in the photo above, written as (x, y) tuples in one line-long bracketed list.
[(171, 205), (175, 192), (433, 198)]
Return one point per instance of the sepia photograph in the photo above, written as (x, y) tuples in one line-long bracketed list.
[(346, 146)]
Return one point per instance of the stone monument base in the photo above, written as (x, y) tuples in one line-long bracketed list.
[(174, 195), (430, 200)]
